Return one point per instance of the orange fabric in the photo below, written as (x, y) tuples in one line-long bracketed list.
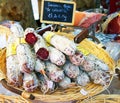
[(78, 17)]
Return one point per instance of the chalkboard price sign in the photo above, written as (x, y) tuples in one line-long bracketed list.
[(58, 12)]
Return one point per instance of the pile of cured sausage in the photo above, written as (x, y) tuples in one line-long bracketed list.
[(49, 61)]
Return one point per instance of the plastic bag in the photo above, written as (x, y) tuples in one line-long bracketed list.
[(113, 48)]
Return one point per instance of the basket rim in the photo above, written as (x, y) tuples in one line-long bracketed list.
[(9, 98), (106, 98)]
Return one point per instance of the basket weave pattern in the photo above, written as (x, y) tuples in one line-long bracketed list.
[(12, 99), (103, 98)]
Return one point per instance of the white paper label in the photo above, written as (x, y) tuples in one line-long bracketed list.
[(83, 92), (50, 84)]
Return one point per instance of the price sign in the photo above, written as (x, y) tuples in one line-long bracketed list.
[(57, 12)]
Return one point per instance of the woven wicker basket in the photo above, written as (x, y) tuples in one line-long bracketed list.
[(72, 93), (103, 98), (118, 63), (12, 99)]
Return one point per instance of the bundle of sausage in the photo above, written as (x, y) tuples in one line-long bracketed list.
[(50, 61)]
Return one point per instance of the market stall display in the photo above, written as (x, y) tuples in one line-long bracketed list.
[(55, 73)]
